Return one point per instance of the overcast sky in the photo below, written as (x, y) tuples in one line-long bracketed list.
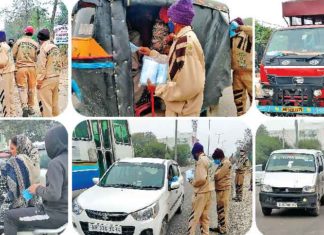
[(285, 123), (230, 131)]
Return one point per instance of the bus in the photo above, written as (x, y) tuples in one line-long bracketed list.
[(96, 145)]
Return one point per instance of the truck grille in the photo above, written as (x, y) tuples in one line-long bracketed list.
[(308, 81), (126, 230), (106, 216), (287, 190)]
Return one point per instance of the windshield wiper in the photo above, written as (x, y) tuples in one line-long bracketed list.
[(306, 171), (150, 187), (121, 186), (281, 55), (282, 170), (315, 56)]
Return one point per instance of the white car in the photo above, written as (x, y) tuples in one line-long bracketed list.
[(259, 174), (135, 196), (294, 179)]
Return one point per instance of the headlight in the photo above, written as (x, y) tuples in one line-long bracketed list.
[(317, 93), (147, 213), (267, 92), (266, 188), (309, 189), (76, 208)]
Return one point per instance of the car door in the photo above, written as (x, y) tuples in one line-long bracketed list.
[(321, 174), (172, 200)]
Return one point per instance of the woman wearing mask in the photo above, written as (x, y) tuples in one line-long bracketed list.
[(20, 171)]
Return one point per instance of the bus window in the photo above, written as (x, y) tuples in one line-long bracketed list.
[(96, 134), (121, 131), (82, 132), (83, 24), (105, 134)]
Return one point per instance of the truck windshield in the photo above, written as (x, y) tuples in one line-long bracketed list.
[(145, 176), (83, 22), (297, 41), (291, 162)]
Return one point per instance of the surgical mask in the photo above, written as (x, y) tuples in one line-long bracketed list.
[(171, 27), (233, 27), (217, 162)]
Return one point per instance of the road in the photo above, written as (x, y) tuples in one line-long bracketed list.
[(285, 221), (240, 215)]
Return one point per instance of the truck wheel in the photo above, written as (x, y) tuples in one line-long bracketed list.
[(316, 211), (266, 211), (164, 227)]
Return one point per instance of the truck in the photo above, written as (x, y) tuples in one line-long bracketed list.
[(292, 68)]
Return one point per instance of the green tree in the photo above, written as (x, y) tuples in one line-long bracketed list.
[(309, 144)]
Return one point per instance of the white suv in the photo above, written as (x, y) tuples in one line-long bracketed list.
[(135, 196)]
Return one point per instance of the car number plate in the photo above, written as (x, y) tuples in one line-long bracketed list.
[(105, 228), (287, 204), (292, 109)]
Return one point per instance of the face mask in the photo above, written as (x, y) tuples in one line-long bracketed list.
[(233, 28), (217, 161), (171, 27)]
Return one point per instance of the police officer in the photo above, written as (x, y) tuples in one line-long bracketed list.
[(203, 187), (242, 164), (7, 77), (25, 53), (223, 189), (241, 46), (49, 67)]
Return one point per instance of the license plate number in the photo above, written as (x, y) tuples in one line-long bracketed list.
[(105, 228), (287, 204), (292, 109)]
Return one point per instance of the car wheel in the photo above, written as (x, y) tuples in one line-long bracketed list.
[(266, 211), (179, 211), (316, 211), (164, 227)]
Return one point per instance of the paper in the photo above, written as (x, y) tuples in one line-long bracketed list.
[(133, 47), (155, 72), (27, 195), (190, 174)]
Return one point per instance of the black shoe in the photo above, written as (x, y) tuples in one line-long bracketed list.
[(31, 111), (216, 230), (25, 112)]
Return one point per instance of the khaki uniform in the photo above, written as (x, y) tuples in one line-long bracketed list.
[(223, 192), (49, 67), (239, 176), (184, 92), (25, 53), (201, 202), (242, 68), (7, 78)]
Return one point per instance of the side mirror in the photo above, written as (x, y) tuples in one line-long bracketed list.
[(95, 180), (175, 185), (320, 168)]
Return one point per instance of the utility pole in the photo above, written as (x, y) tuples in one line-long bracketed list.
[(219, 135), (296, 133), (176, 141), (283, 138)]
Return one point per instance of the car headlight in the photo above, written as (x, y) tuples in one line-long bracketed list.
[(309, 189), (267, 92), (147, 213), (317, 93), (266, 188), (76, 208)]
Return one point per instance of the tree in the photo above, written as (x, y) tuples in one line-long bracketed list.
[(309, 144)]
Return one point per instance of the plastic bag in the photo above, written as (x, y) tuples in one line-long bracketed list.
[(190, 174), (155, 72)]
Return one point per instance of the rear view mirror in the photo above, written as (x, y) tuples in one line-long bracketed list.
[(175, 185), (95, 180)]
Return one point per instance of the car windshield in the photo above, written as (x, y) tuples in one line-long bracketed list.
[(291, 162), (297, 41), (134, 175)]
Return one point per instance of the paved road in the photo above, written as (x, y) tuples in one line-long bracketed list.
[(240, 214), (285, 221)]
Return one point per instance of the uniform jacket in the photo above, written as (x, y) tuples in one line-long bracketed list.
[(25, 52), (223, 175), (242, 163), (241, 46), (49, 63), (184, 92), (203, 182), (11, 64)]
